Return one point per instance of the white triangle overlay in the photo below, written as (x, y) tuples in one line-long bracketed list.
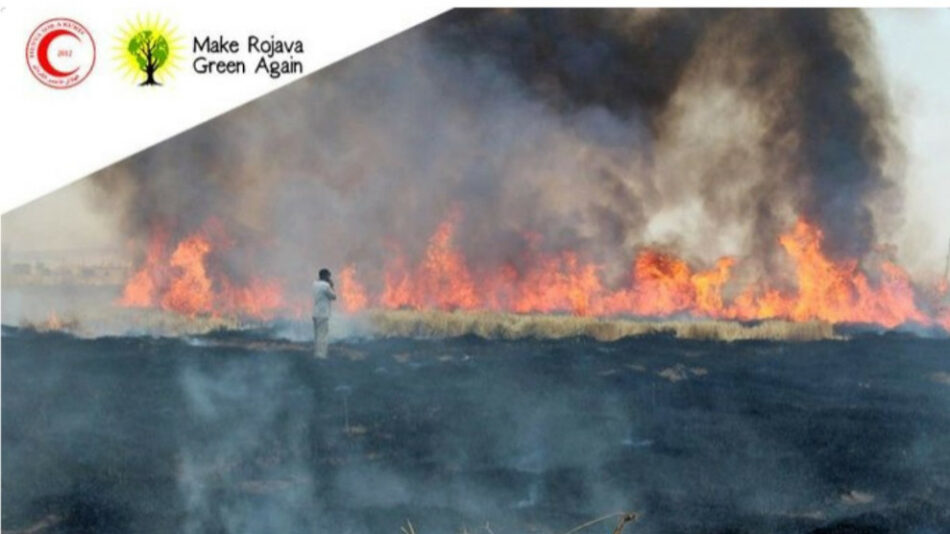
[(53, 137)]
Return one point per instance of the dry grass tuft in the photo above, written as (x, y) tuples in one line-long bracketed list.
[(491, 325)]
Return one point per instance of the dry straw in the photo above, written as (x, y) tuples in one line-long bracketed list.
[(491, 325)]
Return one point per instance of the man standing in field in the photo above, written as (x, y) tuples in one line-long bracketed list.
[(323, 295)]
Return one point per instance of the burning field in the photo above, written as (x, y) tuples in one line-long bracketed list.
[(637, 164), (683, 263), (660, 285)]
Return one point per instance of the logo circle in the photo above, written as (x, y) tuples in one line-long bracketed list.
[(60, 53)]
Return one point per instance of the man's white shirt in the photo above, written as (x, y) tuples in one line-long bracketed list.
[(323, 295)]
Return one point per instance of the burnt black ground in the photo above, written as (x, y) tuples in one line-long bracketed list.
[(237, 432)]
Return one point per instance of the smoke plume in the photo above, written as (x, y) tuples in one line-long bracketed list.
[(599, 131)]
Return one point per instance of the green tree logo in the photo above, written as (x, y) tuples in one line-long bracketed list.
[(147, 50), (151, 53)]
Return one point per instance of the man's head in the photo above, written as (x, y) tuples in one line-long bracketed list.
[(324, 274)]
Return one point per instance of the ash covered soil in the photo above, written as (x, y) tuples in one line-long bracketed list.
[(239, 432)]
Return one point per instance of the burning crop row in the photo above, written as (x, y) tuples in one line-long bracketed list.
[(660, 284)]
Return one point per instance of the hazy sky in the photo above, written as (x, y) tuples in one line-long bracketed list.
[(913, 47)]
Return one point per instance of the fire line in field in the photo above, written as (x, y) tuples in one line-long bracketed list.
[(660, 284)]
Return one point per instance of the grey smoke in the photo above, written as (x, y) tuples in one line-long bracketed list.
[(599, 130)]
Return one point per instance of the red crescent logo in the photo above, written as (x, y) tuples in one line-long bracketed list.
[(60, 64), (42, 52)]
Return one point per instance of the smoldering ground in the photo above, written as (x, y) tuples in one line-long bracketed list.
[(236, 432), (600, 131)]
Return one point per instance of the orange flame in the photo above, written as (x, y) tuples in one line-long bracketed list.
[(260, 298), (555, 284), (140, 290), (660, 284), (445, 281), (442, 279), (190, 290), (352, 293), (181, 283)]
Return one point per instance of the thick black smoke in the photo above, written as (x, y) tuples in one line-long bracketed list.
[(631, 63), (623, 60), (597, 130)]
